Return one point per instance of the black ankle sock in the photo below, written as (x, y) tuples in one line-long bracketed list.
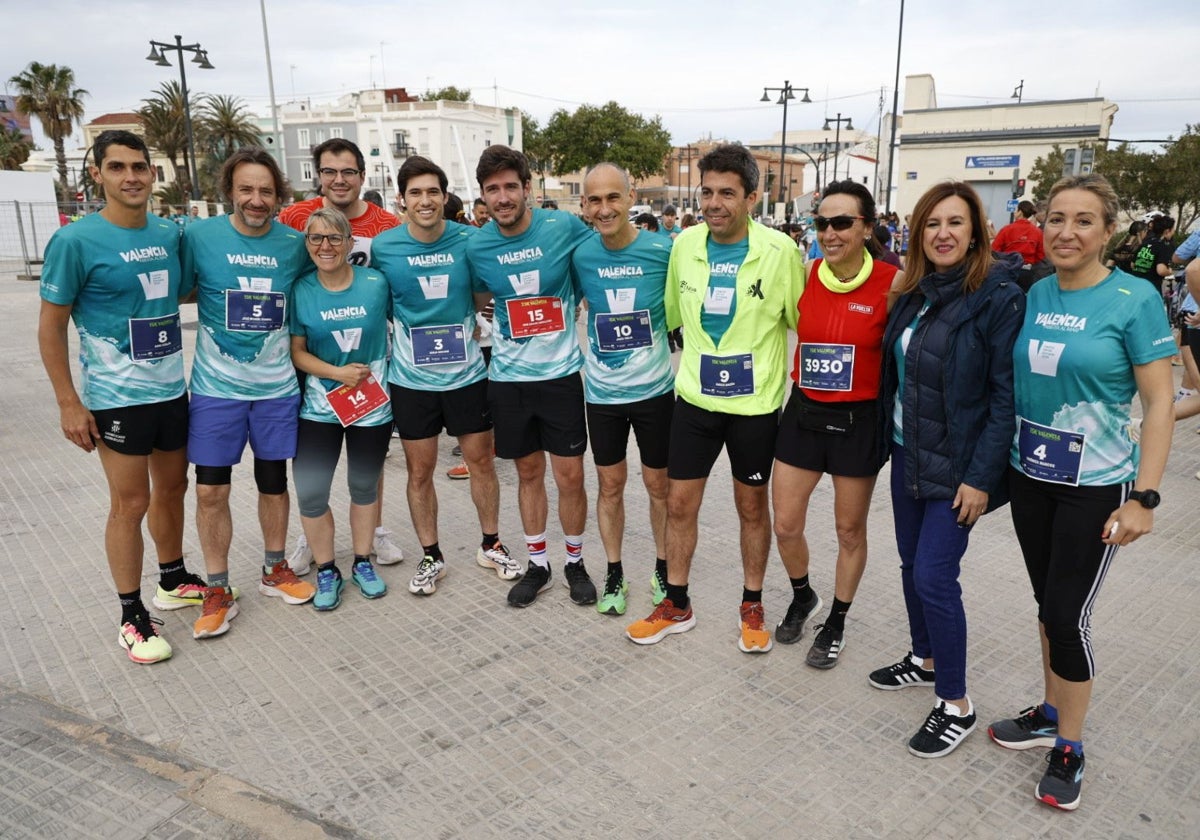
[(173, 574), (615, 571), (837, 615), (131, 604), (489, 541), (362, 558), (678, 595), (801, 592), (433, 551), (751, 594), (660, 566), (332, 564)]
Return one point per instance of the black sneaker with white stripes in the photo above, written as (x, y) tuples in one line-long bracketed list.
[(941, 732), (826, 647), (904, 674)]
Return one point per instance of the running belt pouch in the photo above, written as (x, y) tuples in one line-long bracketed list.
[(830, 419)]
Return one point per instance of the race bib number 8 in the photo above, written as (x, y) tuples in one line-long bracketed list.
[(826, 367), (530, 316), (617, 331), (155, 338), (253, 311), (438, 345), (1050, 454), (727, 376), (352, 404)]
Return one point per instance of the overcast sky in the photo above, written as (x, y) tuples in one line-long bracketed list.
[(701, 65)]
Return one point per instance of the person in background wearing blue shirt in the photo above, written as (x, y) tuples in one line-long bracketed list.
[(1080, 487), (629, 382), (116, 274), (668, 227)]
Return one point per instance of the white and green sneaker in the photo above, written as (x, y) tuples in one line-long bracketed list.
[(429, 572)]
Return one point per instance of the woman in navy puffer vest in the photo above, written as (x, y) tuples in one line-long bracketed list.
[(946, 395)]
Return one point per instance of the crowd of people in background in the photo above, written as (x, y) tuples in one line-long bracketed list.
[(989, 368)]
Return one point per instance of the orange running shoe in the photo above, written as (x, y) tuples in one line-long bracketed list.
[(282, 582), (755, 638), (664, 621), (219, 608), (459, 472)]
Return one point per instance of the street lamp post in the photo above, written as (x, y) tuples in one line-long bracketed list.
[(158, 54), (786, 93), (837, 138)]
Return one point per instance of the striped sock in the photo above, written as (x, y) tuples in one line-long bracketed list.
[(574, 548), (537, 549)]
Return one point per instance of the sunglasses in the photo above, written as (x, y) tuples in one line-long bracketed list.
[(837, 222)]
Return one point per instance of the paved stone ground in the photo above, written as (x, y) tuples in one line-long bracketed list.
[(456, 716)]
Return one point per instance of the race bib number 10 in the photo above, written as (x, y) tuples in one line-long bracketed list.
[(617, 331), (530, 316)]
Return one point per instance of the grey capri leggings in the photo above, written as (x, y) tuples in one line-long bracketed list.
[(318, 448)]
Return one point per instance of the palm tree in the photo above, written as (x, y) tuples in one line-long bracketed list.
[(14, 148), (166, 130), (225, 126), (48, 92)]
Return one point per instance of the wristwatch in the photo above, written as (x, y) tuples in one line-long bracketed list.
[(1148, 499)]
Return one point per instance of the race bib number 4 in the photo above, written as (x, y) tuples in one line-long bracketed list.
[(617, 331), (1050, 454), (826, 367), (352, 404), (438, 345), (727, 376), (253, 311), (155, 338), (530, 316)]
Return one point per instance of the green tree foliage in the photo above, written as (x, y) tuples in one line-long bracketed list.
[(48, 92), (450, 94), (606, 133), (533, 143), (1166, 179), (14, 148), (223, 125), (165, 128)]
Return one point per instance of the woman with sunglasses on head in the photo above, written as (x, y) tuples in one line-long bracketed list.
[(339, 331), (1080, 486), (829, 425), (946, 393)]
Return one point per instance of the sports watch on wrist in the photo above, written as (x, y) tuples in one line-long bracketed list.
[(1148, 499)]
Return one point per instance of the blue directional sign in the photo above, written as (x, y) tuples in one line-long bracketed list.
[(993, 161), (1011, 207)]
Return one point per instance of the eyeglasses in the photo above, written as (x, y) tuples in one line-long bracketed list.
[(837, 222), (335, 239), (347, 174)]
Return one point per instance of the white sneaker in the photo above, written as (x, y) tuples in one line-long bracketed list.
[(498, 558), (300, 562), (386, 552)]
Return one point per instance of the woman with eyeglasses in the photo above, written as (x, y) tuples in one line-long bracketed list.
[(946, 395), (829, 425), (339, 329)]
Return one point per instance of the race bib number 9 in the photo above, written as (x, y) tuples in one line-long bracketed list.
[(617, 331), (253, 311), (438, 345), (826, 367), (727, 376), (1050, 454), (352, 404), (155, 338), (530, 316)]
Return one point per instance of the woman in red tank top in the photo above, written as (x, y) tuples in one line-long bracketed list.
[(829, 423)]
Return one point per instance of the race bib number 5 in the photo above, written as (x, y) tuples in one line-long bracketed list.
[(727, 376), (155, 338), (530, 316), (352, 404), (1050, 454), (253, 311)]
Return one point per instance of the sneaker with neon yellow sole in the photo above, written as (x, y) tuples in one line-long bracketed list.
[(140, 640), (187, 594)]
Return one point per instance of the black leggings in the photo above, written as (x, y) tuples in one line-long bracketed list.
[(318, 449), (1059, 529)]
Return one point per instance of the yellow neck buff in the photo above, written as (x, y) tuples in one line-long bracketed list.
[(834, 284)]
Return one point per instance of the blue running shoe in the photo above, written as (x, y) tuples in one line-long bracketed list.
[(367, 581), (329, 589)]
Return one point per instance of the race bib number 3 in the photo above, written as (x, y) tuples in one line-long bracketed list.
[(155, 338), (727, 376), (352, 404), (826, 367), (617, 331), (253, 311), (1050, 454), (438, 345), (530, 316)]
